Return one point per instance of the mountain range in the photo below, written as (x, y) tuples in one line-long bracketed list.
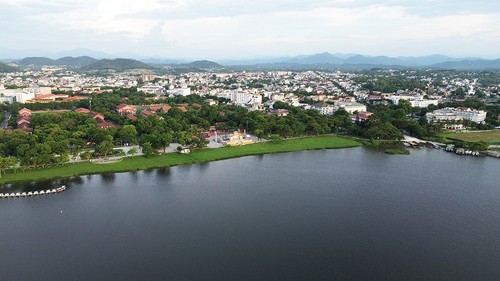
[(315, 61), (65, 61)]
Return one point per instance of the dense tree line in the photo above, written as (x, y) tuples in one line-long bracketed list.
[(58, 136)]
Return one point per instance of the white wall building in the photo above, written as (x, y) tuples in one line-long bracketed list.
[(350, 107), (19, 95), (152, 89), (326, 110), (456, 114), (415, 100)]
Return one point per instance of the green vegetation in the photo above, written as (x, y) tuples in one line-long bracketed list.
[(116, 64), (173, 159), (7, 68), (491, 137), (394, 151)]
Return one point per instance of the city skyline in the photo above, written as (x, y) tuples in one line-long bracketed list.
[(222, 29)]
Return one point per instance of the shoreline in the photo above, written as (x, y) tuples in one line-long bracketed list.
[(137, 163)]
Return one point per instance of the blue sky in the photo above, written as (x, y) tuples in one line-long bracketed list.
[(234, 29)]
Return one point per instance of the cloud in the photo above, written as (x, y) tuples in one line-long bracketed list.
[(321, 28), (221, 28)]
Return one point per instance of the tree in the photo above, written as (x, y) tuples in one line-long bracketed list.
[(384, 131), (128, 134), (6, 163), (104, 148), (148, 150), (132, 151)]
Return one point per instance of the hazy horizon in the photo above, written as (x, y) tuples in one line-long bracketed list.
[(235, 30)]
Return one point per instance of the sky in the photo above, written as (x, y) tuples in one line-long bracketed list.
[(236, 29)]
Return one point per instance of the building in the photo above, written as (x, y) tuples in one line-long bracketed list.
[(456, 114), (325, 109), (362, 116), (151, 89), (17, 95), (350, 107), (415, 100), (125, 108)]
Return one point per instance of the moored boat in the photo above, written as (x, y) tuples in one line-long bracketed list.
[(33, 193)]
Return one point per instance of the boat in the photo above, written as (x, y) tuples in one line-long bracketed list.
[(33, 193)]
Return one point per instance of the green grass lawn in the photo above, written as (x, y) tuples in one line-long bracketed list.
[(492, 136), (173, 159), (395, 151)]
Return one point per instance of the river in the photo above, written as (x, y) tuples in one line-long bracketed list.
[(347, 214)]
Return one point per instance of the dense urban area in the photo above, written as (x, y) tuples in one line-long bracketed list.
[(54, 115)]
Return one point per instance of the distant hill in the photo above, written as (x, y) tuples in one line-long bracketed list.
[(66, 61), (36, 61), (116, 64), (204, 64), (6, 68), (478, 64), (319, 59), (75, 62), (358, 62)]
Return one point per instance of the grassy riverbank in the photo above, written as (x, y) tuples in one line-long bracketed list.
[(395, 151), (174, 159)]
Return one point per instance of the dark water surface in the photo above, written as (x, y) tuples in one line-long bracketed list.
[(350, 214)]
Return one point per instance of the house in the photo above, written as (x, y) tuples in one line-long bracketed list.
[(166, 108), (24, 112), (362, 116), (24, 120), (98, 117), (125, 108), (82, 110), (46, 97), (279, 112), (236, 138), (74, 98), (182, 108), (105, 124), (154, 108), (25, 127), (146, 113), (131, 117)]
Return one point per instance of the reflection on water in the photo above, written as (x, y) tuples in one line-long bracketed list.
[(108, 178), (39, 185), (163, 172)]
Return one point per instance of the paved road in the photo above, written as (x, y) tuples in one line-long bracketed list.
[(5, 122)]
